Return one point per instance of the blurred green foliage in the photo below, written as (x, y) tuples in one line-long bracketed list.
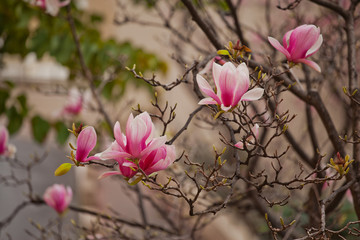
[(25, 28)]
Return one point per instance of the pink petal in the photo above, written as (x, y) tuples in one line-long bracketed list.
[(152, 158), (207, 101), (58, 197), (216, 71), (253, 94), (4, 135), (110, 173), (119, 136), (154, 144), (227, 81), (275, 43), (243, 83), (129, 121), (86, 142), (310, 63), (160, 162), (206, 88), (302, 39), (68, 196), (239, 145), (224, 108), (315, 47), (127, 171), (92, 158), (129, 164), (118, 156), (286, 38), (135, 135), (148, 123)]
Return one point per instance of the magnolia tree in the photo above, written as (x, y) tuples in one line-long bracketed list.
[(278, 90)]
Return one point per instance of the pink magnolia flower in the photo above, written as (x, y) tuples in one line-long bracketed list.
[(4, 135), (232, 84), (86, 142), (58, 197), (7, 150), (51, 7), (75, 103), (299, 44), (138, 149), (250, 139)]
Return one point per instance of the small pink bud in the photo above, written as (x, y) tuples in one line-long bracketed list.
[(58, 197), (250, 139), (219, 60), (85, 143)]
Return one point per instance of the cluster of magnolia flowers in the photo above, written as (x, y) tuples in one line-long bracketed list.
[(137, 151)]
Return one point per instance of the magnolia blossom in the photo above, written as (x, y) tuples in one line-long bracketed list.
[(138, 149), (85, 142), (299, 44), (74, 104), (58, 197), (51, 7), (232, 84), (251, 138), (7, 150)]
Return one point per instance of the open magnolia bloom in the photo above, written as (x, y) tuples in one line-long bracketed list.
[(58, 197), (7, 150), (138, 151), (231, 86), (249, 140), (299, 44)]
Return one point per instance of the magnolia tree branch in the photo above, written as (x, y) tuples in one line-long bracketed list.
[(252, 172), (186, 125), (239, 31), (85, 70), (353, 86), (208, 30), (332, 6), (39, 201), (313, 98)]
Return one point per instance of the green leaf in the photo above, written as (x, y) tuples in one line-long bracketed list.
[(138, 179), (4, 95), (96, 18), (15, 120), (40, 128), (223, 52), (63, 169), (62, 132), (23, 103)]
